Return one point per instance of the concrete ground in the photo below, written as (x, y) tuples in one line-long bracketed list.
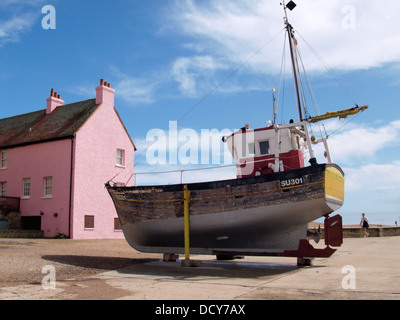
[(364, 268)]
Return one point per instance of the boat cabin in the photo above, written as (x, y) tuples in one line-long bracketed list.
[(275, 148)]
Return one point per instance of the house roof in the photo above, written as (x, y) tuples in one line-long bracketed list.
[(36, 127)]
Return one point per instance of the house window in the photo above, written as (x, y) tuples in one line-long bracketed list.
[(120, 157), (117, 224), (264, 147), (3, 159), (48, 187), (27, 188), (89, 222), (3, 189)]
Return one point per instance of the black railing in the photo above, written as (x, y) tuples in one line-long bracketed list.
[(9, 203)]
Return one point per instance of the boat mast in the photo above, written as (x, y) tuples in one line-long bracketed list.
[(273, 102), (296, 75), (289, 30)]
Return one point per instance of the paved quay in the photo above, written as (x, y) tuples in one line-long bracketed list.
[(361, 269)]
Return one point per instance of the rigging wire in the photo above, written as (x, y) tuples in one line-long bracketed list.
[(230, 75), (303, 96), (313, 99), (345, 87), (282, 72), (350, 120)]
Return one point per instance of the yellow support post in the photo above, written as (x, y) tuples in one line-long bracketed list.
[(186, 201)]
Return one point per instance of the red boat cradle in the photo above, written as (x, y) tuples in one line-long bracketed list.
[(333, 237)]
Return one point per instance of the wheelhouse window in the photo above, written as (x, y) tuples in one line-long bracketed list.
[(252, 149), (48, 187), (27, 188), (3, 159), (120, 157), (264, 147), (3, 189)]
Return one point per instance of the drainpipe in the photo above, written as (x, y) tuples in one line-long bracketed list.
[(70, 187)]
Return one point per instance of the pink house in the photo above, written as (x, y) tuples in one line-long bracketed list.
[(57, 161)]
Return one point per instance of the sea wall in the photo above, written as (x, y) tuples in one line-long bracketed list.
[(373, 232)]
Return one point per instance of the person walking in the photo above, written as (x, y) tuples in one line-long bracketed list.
[(364, 224)]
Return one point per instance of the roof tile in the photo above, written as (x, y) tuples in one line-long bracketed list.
[(36, 127)]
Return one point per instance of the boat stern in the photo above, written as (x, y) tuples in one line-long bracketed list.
[(334, 187)]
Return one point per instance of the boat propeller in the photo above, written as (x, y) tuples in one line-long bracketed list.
[(315, 234)]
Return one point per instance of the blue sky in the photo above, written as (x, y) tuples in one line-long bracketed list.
[(211, 65)]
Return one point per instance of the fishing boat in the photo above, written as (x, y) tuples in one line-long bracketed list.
[(280, 188)]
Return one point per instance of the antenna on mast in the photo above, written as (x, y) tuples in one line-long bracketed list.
[(273, 101)]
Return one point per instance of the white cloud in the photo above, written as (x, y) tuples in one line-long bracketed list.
[(86, 91), (25, 3), (362, 143), (187, 71), (135, 90), (233, 30), (373, 177), (19, 18), (11, 29), (200, 75), (363, 152)]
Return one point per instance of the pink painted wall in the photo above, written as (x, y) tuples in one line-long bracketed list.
[(51, 159), (95, 163)]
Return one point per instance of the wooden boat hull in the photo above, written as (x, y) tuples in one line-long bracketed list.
[(257, 215)]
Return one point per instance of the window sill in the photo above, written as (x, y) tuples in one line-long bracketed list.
[(120, 166), (47, 197), (25, 198)]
